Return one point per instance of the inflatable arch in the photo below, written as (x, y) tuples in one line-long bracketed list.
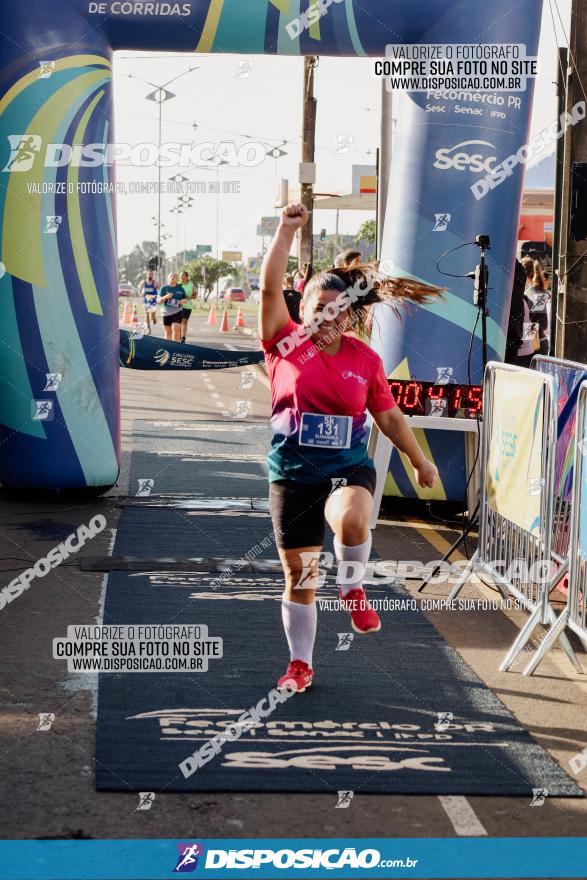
[(58, 287)]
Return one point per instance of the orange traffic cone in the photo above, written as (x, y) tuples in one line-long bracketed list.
[(212, 319), (240, 320), (126, 314), (224, 325), (134, 319)]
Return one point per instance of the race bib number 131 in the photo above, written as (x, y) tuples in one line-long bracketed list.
[(328, 432)]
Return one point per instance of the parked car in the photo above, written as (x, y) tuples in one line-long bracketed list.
[(235, 294), (125, 288)]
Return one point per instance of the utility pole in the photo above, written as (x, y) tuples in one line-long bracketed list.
[(159, 272), (383, 163), (308, 172), (561, 94), (571, 330)]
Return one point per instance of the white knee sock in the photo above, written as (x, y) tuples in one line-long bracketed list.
[(299, 623), (351, 575)]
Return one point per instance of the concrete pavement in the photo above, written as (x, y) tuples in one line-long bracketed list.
[(50, 774)]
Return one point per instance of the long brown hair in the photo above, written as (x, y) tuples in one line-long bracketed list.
[(534, 272), (379, 288)]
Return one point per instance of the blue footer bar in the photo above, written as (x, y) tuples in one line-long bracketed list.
[(301, 858)]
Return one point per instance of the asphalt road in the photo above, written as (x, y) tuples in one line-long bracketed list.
[(49, 775)]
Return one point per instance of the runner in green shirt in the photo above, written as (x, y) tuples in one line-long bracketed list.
[(187, 306)]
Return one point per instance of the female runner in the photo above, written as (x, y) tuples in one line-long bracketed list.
[(188, 305), (322, 383), (172, 298)]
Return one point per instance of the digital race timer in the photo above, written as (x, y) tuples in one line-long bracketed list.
[(416, 398)]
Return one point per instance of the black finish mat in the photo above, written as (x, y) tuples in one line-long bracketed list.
[(369, 723)]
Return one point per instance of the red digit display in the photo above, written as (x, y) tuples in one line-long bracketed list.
[(462, 401), (412, 394), (473, 402), (397, 389)]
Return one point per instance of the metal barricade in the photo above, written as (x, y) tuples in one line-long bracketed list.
[(522, 553), (568, 375), (574, 615)]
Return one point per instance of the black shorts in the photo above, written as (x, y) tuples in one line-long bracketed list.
[(168, 320), (186, 314), (297, 509)]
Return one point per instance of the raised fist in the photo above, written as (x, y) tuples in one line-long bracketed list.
[(294, 215)]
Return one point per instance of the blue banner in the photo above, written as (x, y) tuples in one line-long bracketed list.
[(139, 352), (445, 147), (287, 858)]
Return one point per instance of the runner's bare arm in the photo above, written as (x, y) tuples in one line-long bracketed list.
[(273, 313), (394, 425)]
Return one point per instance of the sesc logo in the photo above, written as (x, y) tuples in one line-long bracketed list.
[(162, 356), (448, 157)]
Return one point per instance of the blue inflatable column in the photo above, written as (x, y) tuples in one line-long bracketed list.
[(444, 143), (59, 344)]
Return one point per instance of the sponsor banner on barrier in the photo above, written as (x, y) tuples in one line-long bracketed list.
[(308, 857), (568, 380), (139, 352), (583, 496), (514, 466)]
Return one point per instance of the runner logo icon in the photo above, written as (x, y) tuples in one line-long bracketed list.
[(187, 860), (441, 222), (24, 149)]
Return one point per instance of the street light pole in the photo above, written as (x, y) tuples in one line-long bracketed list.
[(160, 274), (177, 247), (217, 212), (308, 136), (159, 96), (216, 167)]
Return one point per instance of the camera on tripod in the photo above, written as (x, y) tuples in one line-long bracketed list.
[(481, 277), (481, 273)]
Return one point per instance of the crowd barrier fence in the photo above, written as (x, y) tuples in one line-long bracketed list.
[(574, 615), (516, 510)]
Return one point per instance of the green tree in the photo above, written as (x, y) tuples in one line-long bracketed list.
[(205, 272), (321, 263), (132, 267), (366, 232), (240, 274)]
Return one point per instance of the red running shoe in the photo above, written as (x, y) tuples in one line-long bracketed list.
[(298, 677), (363, 618)]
